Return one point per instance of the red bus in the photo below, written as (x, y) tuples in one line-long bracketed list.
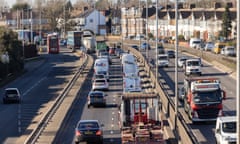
[(53, 43)]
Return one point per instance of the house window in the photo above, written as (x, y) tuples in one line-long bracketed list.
[(91, 20)]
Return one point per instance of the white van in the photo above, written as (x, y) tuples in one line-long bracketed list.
[(130, 69), (192, 66), (132, 84), (101, 66), (163, 60), (129, 58), (226, 130), (102, 62), (195, 42)]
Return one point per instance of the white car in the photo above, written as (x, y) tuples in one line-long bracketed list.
[(100, 84), (228, 51), (226, 130)]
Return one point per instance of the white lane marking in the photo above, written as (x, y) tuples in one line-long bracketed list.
[(35, 85)]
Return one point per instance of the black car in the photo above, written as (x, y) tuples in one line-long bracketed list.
[(89, 131), (11, 95), (171, 53)]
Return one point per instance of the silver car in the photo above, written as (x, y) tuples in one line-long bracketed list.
[(100, 84)]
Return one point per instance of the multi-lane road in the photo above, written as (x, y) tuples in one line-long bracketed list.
[(46, 79)]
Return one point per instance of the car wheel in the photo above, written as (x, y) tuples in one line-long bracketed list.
[(88, 106), (76, 142)]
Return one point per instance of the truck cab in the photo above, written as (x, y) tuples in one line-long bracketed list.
[(192, 66), (226, 130)]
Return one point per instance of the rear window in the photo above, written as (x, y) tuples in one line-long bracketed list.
[(11, 92), (100, 80), (85, 125), (96, 95)]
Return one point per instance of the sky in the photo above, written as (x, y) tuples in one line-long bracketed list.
[(12, 2)]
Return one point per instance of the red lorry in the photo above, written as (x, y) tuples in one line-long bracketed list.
[(203, 99)]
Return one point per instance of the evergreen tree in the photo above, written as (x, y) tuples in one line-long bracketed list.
[(226, 23)]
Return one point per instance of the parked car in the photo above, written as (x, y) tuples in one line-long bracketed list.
[(96, 98), (209, 46), (171, 53), (144, 47), (100, 84), (89, 131), (228, 51), (11, 95), (181, 61)]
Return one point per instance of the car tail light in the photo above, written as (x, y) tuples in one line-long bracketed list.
[(99, 132), (78, 133)]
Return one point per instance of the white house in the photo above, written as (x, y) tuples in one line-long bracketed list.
[(92, 19)]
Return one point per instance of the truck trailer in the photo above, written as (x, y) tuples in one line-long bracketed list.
[(74, 40), (139, 119), (203, 99)]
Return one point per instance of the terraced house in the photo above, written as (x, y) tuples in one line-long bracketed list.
[(198, 22)]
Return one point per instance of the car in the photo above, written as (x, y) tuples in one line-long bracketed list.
[(112, 51), (145, 46), (105, 54), (63, 42), (11, 95), (181, 61), (89, 131), (228, 51), (161, 49), (209, 46), (96, 98), (100, 84), (171, 53)]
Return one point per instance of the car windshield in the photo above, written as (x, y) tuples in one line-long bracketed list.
[(229, 127), (162, 58), (193, 63), (99, 76), (208, 96), (102, 72), (88, 125)]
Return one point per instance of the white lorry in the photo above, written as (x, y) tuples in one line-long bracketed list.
[(226, 130)]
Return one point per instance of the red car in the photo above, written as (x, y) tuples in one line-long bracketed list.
[(112, 51)]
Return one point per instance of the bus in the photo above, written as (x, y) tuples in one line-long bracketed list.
[(53, 43)]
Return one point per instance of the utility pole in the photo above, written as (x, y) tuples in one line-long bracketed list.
[(156, 42), (176, 71), (238, 72)]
